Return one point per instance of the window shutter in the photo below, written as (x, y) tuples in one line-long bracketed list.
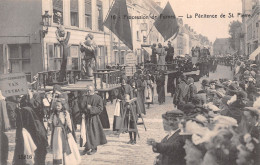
[(88, 7), (74, 6), (58, 5)]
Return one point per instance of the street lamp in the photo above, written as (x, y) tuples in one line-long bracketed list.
[(46, 22)]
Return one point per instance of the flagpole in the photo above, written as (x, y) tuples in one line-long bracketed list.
[(150, 31), (110, 7), (111, 35)]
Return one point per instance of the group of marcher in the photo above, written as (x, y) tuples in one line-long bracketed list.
[(162, 55), (140, 87), (58, 113), (207, 116)]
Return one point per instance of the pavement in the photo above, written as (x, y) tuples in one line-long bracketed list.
[(117, 151)]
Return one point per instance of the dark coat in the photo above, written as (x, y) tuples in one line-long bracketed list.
[(11, 107), (160, 82), (180, 94), (236, 110), (26, 118), (140, 95), (94, 131), (192, 91), (251, 92), (153, 56), (75, 111), (103, 115), (169, 55), (171, 150), (171, 83), (123, 90)]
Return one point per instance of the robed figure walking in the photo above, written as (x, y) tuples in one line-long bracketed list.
[(160, 82), (92, 106)]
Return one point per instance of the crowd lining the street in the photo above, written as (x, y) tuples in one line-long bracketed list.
[(218, 124)]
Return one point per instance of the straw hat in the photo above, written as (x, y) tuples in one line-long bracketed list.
[(256, 107)]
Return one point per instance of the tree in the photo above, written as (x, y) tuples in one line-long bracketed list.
[(236, 33)]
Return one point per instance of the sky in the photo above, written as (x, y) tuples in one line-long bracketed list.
[(211, 27)]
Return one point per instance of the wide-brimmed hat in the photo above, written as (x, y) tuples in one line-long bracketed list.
[(172, 115), (205, 82), (256, 107), (213, 82), (188, 108), (241, 95)]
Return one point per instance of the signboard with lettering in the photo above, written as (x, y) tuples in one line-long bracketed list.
[(13, 84), (131, 61)]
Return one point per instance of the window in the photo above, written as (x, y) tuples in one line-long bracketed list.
[(100, 15), (122, 57), (54, 56), (58, 11), (137, 35), (74, 13), (101, 57), (74, 55), (88, 16), (116, 57), (19, 58), (50, 57)]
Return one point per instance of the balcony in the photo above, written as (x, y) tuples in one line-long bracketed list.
[(107, 79), (49, 78)]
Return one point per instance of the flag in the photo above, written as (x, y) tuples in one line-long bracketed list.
[(166, 23), (118, 22)]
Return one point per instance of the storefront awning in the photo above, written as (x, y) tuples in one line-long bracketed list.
[(254, 54), (148, 50)]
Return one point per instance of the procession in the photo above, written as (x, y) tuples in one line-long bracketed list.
[(126, 82)]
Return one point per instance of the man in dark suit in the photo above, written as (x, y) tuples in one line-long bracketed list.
[(171, 147), (181, 92), (170, 53), (192, 90)]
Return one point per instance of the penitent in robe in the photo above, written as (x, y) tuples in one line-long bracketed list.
[(94, 131)]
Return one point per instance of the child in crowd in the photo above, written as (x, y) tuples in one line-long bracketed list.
[(65, 150)]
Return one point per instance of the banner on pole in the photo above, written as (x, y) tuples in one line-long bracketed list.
[(13, 84)]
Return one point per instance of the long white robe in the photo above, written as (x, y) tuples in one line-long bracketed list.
[(73, 158)]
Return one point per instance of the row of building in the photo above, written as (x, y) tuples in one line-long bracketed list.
[(247, 36), (250, 29), (28, 45)]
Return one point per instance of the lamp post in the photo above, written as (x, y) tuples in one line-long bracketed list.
[(46, 22)]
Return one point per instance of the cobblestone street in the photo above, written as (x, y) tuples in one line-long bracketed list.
[(117, 151)]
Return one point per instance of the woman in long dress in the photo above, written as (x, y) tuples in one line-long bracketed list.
[(65, 149), (148, 91)]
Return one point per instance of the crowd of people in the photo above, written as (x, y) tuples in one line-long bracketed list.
[(218, 124), (203, 122), (57, 113)]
